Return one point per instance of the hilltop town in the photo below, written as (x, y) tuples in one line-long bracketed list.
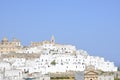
[(48, 60)]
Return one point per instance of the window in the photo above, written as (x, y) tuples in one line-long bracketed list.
[(83, 67), (76, 66), (69, 59)]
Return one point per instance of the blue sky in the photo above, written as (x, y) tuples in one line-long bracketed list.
[(92, 25)]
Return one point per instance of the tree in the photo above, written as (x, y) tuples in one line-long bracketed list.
[(53, 62)]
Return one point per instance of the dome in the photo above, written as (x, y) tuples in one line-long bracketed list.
[(4, 39)]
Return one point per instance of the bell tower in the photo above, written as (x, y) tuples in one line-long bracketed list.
[(52, 39)]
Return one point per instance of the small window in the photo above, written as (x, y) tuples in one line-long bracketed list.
[(69, 59), (76, 66)]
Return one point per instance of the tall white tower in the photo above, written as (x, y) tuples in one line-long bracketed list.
[(52, 39)]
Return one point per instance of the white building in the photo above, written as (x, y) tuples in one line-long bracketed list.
[(57, 58), (61, 63), (5, 66), (106, 76), (13, 75)]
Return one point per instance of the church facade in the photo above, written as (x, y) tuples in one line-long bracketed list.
[(7, 46)]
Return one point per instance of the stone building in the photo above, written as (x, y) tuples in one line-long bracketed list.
[(90, 73), (62, 76), (7, 46), (35, 44)]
